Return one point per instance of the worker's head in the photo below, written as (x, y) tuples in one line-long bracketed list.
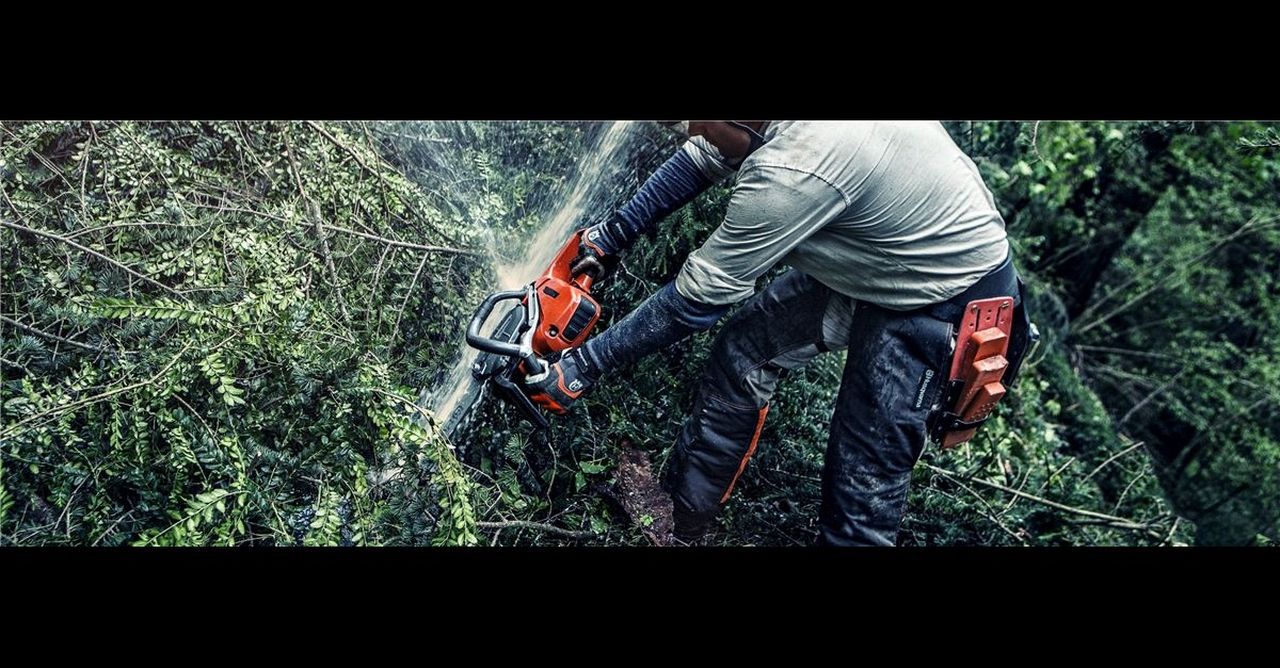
[(734, 139)]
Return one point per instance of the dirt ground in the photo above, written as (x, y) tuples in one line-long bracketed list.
[(641, 496)]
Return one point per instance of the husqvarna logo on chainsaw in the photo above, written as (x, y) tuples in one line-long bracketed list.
[(575, 385)]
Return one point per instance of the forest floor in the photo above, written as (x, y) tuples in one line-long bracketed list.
[(641, 496)]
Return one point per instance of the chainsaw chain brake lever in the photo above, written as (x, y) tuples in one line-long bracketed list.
[(537, 369)]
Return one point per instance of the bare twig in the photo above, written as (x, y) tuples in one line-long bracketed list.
[(537, 526), (213, 437), (43, 160), (1111, 520), (377, 279), (113, 226), (992, 515), (395, 329), (55, 337), (111, 528), (1089, 320), (15, 427), (6, 360), (314, 210), (1049, 480), (1152, 395), (1125, 351), (623, 267), (116, 263), (1269, 138), (222, 207), (1035, 139), (402, 244), (1172, 530), (1112, 458), (66, 509), (336, 142), (1119, 501), (84, 175), (797, 475), (435, 140)]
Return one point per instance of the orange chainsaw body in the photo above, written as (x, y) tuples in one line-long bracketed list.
[(567, 310)]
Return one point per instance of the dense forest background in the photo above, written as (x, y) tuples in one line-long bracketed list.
[(217, 333)]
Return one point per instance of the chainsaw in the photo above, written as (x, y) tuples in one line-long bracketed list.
[(553, 313)]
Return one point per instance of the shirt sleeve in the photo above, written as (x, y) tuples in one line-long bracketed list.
[(772, 210), (708, 159)]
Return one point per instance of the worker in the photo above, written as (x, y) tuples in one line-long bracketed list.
[(888, 230)]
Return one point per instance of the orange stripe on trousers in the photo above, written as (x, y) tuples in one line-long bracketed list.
[(751, 450)]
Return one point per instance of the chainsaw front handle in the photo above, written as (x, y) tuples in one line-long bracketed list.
[(478, 341)]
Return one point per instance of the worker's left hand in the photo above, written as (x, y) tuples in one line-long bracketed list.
[(592, 259), (566, 381)]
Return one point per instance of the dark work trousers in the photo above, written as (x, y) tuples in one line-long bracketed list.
[(892, 379)]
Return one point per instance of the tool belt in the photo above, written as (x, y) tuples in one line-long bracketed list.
[(993, 335)]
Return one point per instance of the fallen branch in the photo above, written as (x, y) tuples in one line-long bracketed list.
[(336, 142), (993, 516), (116, 263), (55, 337), (1112, 458), (536, 526), (111, 528), (14, 428), (314, 210), (395, 329)]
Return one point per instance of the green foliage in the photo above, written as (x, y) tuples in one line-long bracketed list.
[(6, 501), (204, 520), (225, 397), (1183, 337), (1161, 246)]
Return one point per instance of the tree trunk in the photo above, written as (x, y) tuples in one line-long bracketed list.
[(1129, 199)]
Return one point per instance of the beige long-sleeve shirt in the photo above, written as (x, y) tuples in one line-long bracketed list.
[(892, 213)]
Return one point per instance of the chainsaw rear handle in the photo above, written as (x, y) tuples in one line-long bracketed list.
[(586, 276), (576, 250), (492, 345)]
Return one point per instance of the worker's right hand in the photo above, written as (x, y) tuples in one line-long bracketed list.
[(563, 384)]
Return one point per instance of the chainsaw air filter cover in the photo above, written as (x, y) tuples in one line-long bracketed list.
[(568, 313)]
